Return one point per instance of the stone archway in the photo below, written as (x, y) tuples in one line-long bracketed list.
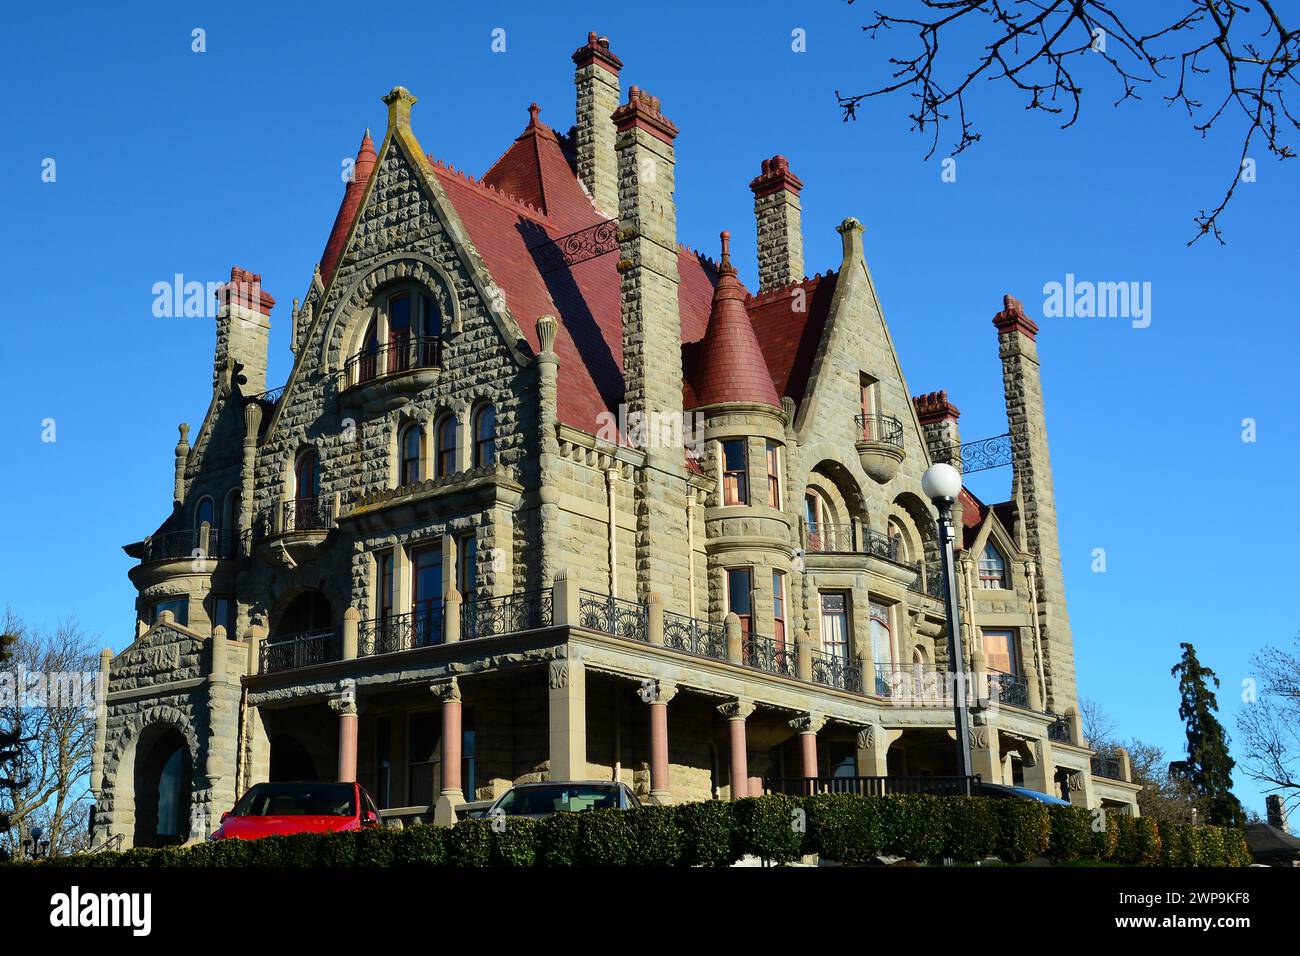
[(154, 735), (163, 784)]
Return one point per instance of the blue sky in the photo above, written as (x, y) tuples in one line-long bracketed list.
[(171, 161)]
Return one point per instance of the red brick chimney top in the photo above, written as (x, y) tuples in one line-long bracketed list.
[(774, 177), (934, 407), (597, 50), (643, 111), (245, 289), (1012, 318)]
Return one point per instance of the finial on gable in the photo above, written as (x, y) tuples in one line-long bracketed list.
[(399, 101)]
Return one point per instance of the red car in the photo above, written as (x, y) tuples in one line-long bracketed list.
[(279, 809)]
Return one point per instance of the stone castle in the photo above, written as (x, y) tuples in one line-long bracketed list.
[(549, 495)]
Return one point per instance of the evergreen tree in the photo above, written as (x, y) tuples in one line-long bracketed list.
[(1208, 768)]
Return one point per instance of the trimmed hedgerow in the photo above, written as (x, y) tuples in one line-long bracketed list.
[(707, 833), (842, 828)]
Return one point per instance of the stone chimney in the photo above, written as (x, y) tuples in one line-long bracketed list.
[(243, 328), (780, 233), (1032, 482), (652, 342), (1275, 812), (938, 418), (596, 77)]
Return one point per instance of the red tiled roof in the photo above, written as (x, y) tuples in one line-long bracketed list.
[(727, 364), (531, 197), (356, 188)]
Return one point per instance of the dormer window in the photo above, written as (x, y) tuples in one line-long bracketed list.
[(993, 569)]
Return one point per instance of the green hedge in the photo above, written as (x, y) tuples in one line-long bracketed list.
[(779, 829)]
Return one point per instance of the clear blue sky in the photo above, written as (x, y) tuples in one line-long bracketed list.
[(169, 161)]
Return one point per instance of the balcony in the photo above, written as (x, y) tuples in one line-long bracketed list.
[(1009, 689), (293, 532), (612, 615), (1058, 731), (401, 632), (837, 671), (300, 650), (827, 538), (213, 544), (492, 617), (880, 446), (930, 583), (768, 654), (389, 375), (693, 636), (1108, 766), (874, 786)]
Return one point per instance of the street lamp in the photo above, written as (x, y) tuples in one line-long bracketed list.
[(942, 484)]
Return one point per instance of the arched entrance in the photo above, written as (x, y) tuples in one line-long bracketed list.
[(307, 612), (163, 783)]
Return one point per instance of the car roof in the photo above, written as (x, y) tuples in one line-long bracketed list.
[(569, 783), (1026, 793)]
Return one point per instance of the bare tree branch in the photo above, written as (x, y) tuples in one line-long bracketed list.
[(1238, 54)]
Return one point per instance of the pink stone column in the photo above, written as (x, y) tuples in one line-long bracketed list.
[(736, 711), (657, 694), (808, 748), (345, 705), (451, 745)]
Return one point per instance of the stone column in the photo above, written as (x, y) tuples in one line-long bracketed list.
[(731, 630), (182, 455), (450, 796), (873, 748), (985, 754), (345, 705), (808, 725), (736, 712), (548, 369), (101, 741), (566, 679), (654, 614), (1041, 774), (659, 694)]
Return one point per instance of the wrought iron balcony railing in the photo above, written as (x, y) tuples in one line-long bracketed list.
[(490, 617), (1009, 689), (879, 545), (694, 636), (404, 354), (911, 681), (269, 397), (300, 650), (422, 627), (838, 671), (823, 537), (603, 612), (176, 545), (767, 654), (1059, 730), (297, 514), (1106, 765), (881, 428)]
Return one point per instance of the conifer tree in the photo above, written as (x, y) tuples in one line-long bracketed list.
[(1208, 768)]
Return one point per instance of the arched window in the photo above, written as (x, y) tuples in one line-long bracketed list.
[(230, 510), (411, 461), (485, 436), (306, 475), (368, 359), (814, 517), (446, 444), (204, 512), (993, 569)]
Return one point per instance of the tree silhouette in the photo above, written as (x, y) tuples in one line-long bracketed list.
[(1208, 768)]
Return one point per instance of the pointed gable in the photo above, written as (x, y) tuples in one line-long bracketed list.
[(789, 323)]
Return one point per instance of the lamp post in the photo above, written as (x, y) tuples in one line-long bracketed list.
[(942, 484)]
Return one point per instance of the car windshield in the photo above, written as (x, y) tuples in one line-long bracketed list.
[(297, 800), (560, 798)]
